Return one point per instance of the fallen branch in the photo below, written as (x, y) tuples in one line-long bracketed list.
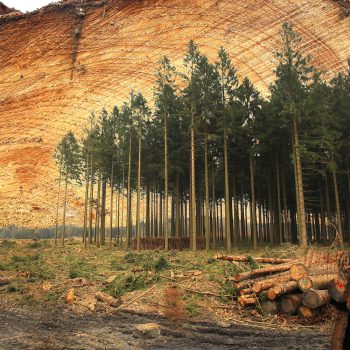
[(122, 306), (264, 271), (257, 259)]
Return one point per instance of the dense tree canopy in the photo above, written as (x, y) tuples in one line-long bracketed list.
[(216, 162)]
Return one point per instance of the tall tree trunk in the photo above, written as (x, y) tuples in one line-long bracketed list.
[(193, 188), (138, 204), (323, 224), (242, 226), (152, 215), (156, 214), (279, 209), (98, 212), (206, 214), (264, 216), (91, 202), (253, 206), (317, 224), (337, 203), (86, 200), (285, 209), (172, 218), (269, 211), (166, 183), (329, 213), (214, 211), (111, 215), (58, 206), (235, 216), (128, 228), (161, 222), (177, 215), (147, 211), (123, 197), (186, 218), (299, 188), (64, 212), (103, 212), (261, 236), (117, 235), (227, 197)]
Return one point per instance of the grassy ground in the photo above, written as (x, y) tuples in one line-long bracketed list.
[(177, 285)]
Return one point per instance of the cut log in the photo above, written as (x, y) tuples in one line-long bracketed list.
[(107, 299), (298, 271), (306, 312), (269, 307), (315, 282), (260, 272), (245, 291), (244, 284), (338, 336), (250, 282), (314, 298), (336, 289), (290, 304), (323, 270), (261, 260), (70, 296), (246, 300), (267, 283), (281, 288), (305, 283)]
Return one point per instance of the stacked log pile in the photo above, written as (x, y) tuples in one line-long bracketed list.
[(293, 286)]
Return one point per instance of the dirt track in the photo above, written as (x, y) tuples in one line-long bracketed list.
[(61, 329)]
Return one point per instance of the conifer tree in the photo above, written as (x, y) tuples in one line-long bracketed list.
[(68, 155)]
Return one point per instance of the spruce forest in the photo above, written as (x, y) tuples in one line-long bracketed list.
[(211, 162)]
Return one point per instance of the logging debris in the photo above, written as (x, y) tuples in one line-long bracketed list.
[(291, 286)]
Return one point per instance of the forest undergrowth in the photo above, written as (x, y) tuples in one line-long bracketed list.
[(177, 285)]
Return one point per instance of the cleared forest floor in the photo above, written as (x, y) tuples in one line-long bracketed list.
[(182, 292)]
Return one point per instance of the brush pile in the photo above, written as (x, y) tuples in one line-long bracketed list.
[(292, 286)]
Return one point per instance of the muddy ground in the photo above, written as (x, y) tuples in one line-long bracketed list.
[(57, 329)]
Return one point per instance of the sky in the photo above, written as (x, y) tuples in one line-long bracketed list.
[(26, 5)]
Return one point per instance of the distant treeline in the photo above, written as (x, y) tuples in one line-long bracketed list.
[(14, 232)]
